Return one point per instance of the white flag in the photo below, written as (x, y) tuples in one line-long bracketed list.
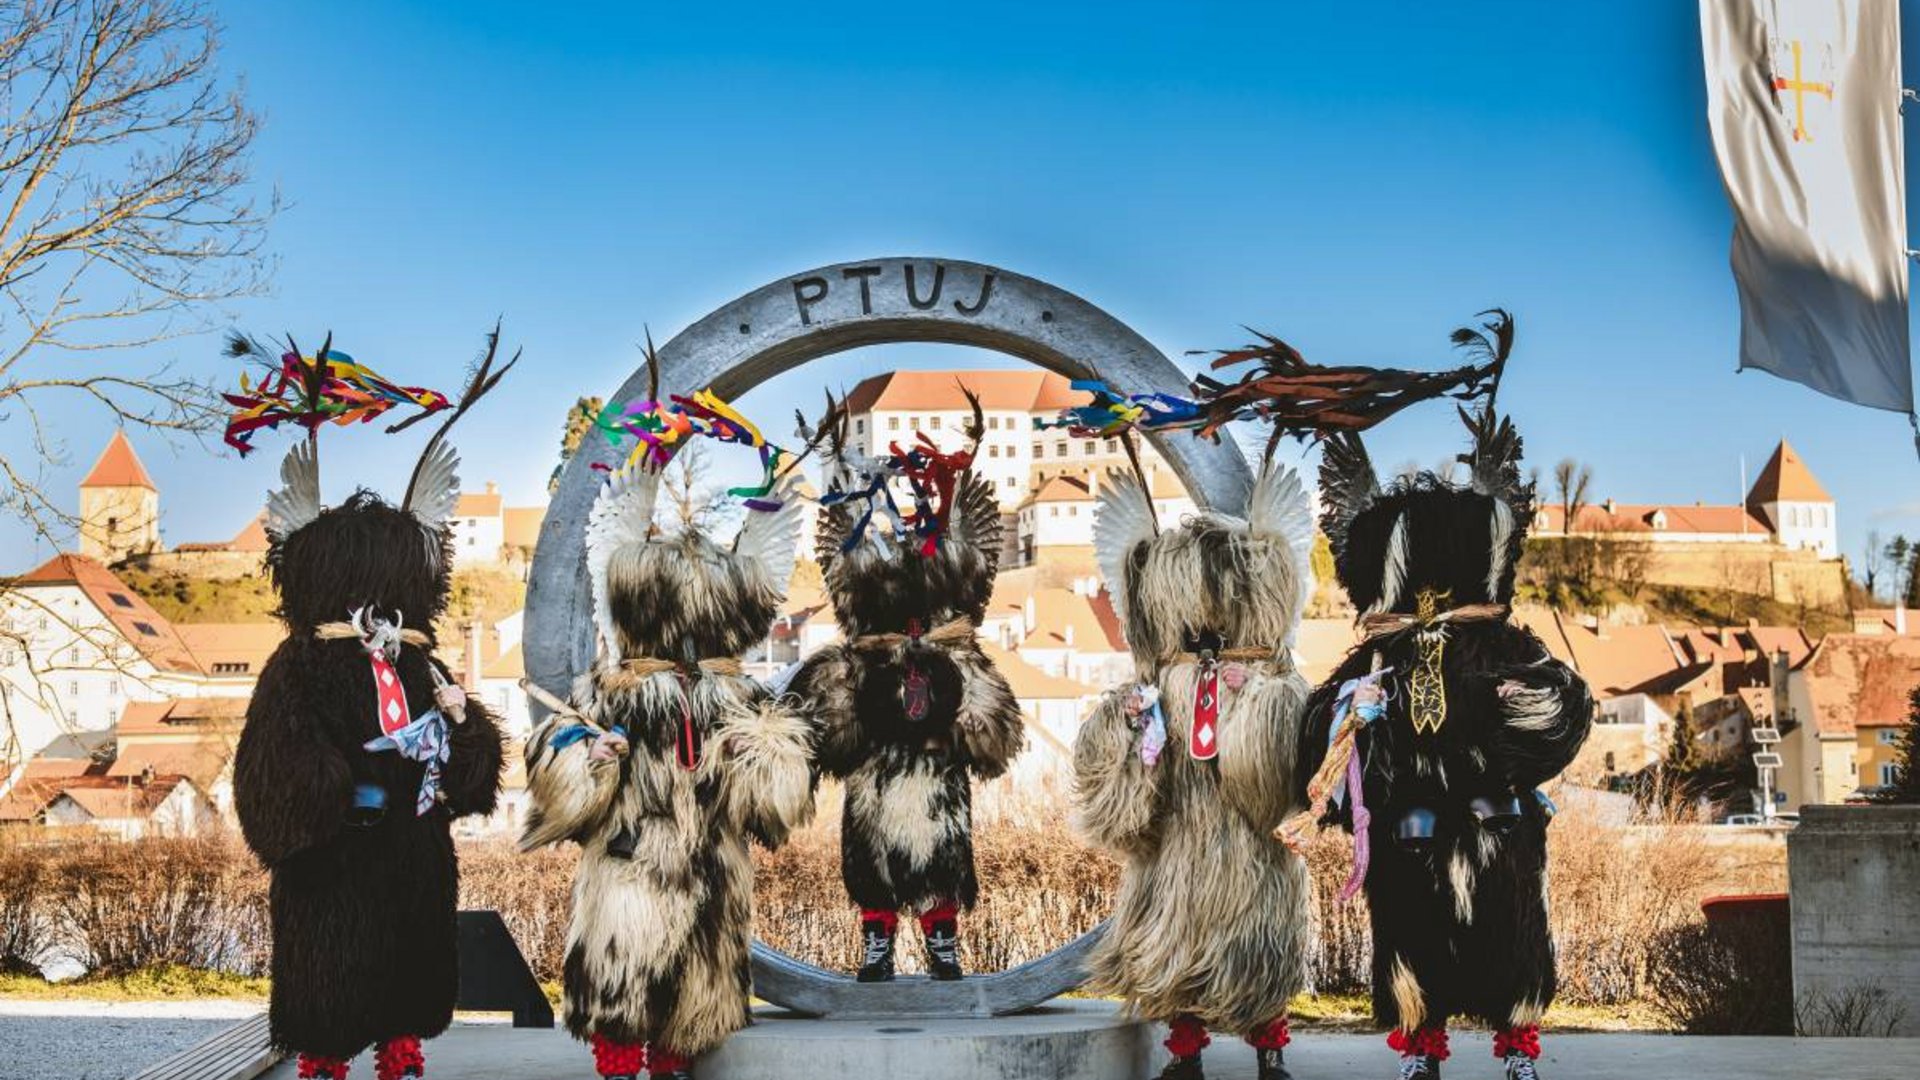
[(1804, 100)]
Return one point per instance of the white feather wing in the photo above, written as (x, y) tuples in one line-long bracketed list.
[(1122, 519), (297, 500), (769, 540), (438, 490), (622, 514), (1280, 507)]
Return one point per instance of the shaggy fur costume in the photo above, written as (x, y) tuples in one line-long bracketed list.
[(1211, 921), (906, 840), (657, 949), (363, 915), (1460, 918)]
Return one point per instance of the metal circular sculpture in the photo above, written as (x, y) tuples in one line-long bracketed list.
[(817, 313)]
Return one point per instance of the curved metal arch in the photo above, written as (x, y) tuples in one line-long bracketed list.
[(807, 316)]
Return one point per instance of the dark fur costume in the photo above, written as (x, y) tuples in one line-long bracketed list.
[(906, 839), (363, 915), (1460, 920), (657, 949)]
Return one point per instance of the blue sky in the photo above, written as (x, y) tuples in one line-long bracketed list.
[(1358, 179)]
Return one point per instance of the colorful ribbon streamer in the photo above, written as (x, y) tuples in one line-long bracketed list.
[(310, 391), (1111, 414), (662, 429)]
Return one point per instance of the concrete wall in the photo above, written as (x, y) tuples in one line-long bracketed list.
[(1854, 876)]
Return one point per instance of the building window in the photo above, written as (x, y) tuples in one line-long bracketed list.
[(933, 422), (1087, 447), (993, 423), (229, 667), (1060, 448), (1007, 482), (73, 688), (73, 656), (1889, 736), (147, 629), (893, 423), (1113, 446), (113, 687), (1037, 449), (914, 422), (1053, 511), (1014, 450), (859, 427), (1889, 774), (119, 600)]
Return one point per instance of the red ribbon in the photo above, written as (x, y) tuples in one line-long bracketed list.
[(688, 748), (933, 474)]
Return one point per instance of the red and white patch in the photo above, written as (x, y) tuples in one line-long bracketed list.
[(391, 694), (1203, 741)]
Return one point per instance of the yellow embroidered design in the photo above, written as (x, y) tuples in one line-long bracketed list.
[(1427, 686)]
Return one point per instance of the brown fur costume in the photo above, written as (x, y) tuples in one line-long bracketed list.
[(1211, 921), (662, 903)]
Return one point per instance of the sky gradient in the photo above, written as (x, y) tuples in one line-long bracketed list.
[(1358, 179)]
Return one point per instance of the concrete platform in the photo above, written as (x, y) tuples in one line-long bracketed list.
[(808, 1048)]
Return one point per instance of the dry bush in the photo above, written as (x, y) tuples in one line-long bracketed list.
[(26, 930), (119, 907), (533, 892), (1724, 980)]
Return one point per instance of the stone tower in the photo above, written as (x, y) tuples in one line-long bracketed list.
[(1795, 505), (119, 506)]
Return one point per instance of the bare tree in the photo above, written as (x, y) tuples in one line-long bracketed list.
[(691, 499), (1872, 561), (1633, 563), (1571, 480), (125, 218)]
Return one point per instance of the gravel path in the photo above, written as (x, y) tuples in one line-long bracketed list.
[(104, 1040)]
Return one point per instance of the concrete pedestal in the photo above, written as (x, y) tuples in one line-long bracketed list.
[(1853, 876), (1066, 1040)]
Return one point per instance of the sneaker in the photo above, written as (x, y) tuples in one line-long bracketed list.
[(943, 951), (1419, 1067), (1273, 1065), (876, 956), (1520, 1067)]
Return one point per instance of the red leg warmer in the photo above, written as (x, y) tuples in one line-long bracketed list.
[(396, 1057), (891, 919), (315, 1067), (1519, 1040), (1187, 1036), (1274, 1036), (1429, 1041), (618, 1059), (938, 913)]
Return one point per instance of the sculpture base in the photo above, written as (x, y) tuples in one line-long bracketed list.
[(1065, 1040)]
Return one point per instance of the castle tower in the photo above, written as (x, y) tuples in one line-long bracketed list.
[(1794, 505), (119, 506)]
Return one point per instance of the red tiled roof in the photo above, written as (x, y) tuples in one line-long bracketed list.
[(230, 644), (1786, 478), (1640, 518), (181, 715), (251, 539), (1013, 390), (485, 504), (1030, 682), (118, 466), (113, 799), (130, 614), (1857, 680)]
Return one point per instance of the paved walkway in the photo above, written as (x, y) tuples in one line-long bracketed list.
[(103, 1040), (491, 1052)]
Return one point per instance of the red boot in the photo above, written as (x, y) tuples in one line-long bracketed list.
[(315, 1067), (1421, 1051), (399, 1058)]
